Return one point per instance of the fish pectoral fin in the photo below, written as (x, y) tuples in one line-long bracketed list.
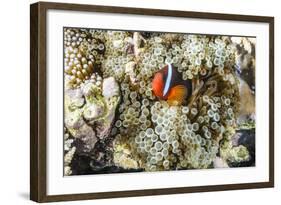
[(177, 94)]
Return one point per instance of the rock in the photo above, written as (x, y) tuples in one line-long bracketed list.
[(75, 97), (122, 157), (98, 110), (74, 120), (93, 111), (87, 135), (235, 139), (110, 88), (88, 89), (103, 129), (80, 165), (104, 125), (111, 95), (127, 163), (130, 71), (245, 138), (130, 67), (245, 59), (138, 42), (220, 163), (91, 89), (235, 152), (247, 100), (240, 154), (72, 108), (89, 116)]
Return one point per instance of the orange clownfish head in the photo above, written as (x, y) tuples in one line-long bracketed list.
[(158, 85)]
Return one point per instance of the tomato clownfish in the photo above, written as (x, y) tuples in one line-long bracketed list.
[(168, 85)]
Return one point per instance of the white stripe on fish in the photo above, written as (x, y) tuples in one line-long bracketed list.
[(168, 80)]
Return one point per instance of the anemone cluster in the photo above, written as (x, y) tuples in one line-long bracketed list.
[(148, 133), (177, 137)]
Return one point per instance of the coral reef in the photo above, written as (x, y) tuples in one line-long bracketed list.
[(231, 153), (89, 115), (114, 118)]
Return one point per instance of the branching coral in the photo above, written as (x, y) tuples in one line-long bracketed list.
[(82, 55)]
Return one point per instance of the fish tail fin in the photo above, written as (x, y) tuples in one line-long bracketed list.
[(177, 95)]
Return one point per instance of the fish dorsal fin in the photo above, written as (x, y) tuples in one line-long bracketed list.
[(168, 80)]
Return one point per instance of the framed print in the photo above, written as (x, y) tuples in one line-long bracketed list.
[(134, 102)]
